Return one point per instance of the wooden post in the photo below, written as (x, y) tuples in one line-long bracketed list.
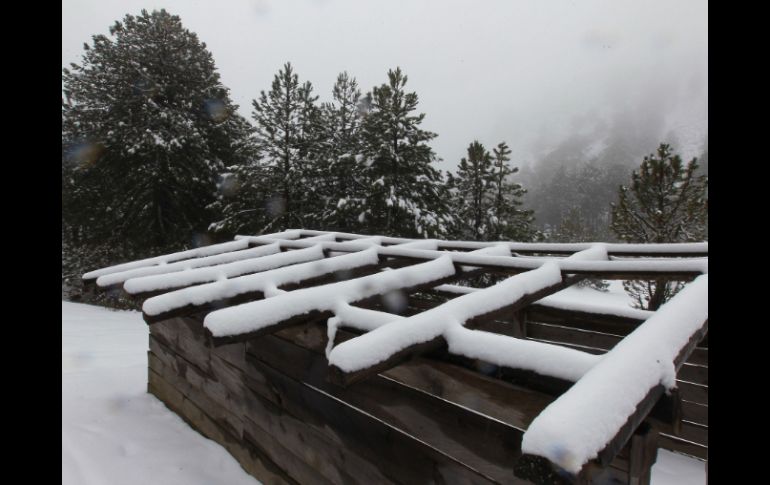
[(519, 321), (643, 453)]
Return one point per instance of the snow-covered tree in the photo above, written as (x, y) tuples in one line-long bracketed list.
[(486, 204), (341, 167), (406, 194), (278, 190), (471, 194), (666, 202), (509, 221), (147, 126)]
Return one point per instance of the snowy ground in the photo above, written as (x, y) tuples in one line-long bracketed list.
[(114, 432)]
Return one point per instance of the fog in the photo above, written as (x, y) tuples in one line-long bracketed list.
[(532, 73)]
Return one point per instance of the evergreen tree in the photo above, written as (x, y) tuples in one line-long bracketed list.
[(341, 168), (508, 220), (406, 194), (278, 191), (666, 202), (472, 204), (147, 125), (485, 202)]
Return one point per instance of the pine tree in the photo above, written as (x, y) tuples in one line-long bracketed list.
[(470, 186), (406, 194), (147, 127), (666, 202), (278, 191), (509, 221), (341, 168)]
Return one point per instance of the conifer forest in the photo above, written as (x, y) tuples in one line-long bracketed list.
[(156, 158)]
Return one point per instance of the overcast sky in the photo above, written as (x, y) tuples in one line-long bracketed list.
[(528, 72)]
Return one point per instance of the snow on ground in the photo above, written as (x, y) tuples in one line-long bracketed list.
[(114, 432)]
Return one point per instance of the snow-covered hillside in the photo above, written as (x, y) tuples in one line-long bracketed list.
[(114, 432)]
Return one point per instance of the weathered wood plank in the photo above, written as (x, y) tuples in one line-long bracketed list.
[(557, 333), (378, 442), (699, 356), (225, 387), (490, 397), (693, 392), (317, 314), (293, 465), (480, 443), (332, 459), (346, 378), (643, 453), (251, 460), (695, 432), (188, 310), (222, 417), (674, 443), (611, 324), (218, 412), (697, 413), (698, 374)]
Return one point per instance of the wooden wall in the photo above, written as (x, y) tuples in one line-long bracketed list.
[(586, 333), (268, 402)]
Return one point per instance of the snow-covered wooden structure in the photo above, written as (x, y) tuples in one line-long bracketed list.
[(319, 357)]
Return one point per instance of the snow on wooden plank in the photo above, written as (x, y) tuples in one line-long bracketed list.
[(258, 315), (151, 283), (170, 258), (652, 249), (501, 350), (290, 234), (331, 236), (220, 290), (188, 264), (379, 345), (544, 359), (430, 244), (578, 426), (572, 304), (561, 302), (610, 269)]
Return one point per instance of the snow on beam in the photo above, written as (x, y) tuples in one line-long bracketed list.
[(264, 316), (682, 268), (152, 283), (504, 351), (290, 234), (558, 302), (156, 308), (430, 244), (613, 249), (602, 409), (387, 345), (217, 259), (616, 249), (170, 258), (329, 236), (501, 350), (351, 236)]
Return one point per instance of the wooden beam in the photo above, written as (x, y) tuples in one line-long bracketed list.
[(343, 378), (297, 319)]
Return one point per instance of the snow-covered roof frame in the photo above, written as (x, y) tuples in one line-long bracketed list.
[(256, 285)]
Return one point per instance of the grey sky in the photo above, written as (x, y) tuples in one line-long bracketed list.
[(528, 72)]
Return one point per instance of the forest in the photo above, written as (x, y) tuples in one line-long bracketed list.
[(156, 158)]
